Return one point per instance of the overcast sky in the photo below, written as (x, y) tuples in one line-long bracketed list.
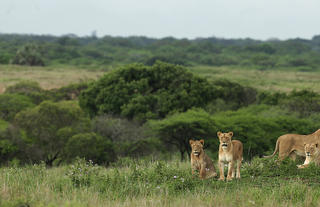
[(258, 19)]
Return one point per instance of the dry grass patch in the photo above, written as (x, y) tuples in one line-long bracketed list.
[(271, 80), (47, 77)]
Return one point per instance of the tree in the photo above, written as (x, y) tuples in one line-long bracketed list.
[(30, 55), (179, 128), (144, 92), (46, 128)]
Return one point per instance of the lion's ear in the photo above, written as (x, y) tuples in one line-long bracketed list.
[(304, 144), (317, 145), (219, 133), (202, 141), (230, 134), (191, 141)]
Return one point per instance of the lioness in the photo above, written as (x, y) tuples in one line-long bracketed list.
[(293, 144), (312, 153), (230, 151), (200, 161)]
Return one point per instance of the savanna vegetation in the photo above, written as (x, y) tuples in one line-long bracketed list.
[(117, 132)]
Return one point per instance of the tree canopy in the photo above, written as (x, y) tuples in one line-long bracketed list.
[(144, 92)]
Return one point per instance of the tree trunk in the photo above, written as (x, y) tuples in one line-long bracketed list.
[(182, 155)]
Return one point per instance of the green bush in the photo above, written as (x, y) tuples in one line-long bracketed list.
[(43, 125), (82, 172), (11, 104), (31, 89), (91, 147), (235, 94)]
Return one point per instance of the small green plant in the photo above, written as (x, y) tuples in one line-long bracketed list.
[(82, 172)]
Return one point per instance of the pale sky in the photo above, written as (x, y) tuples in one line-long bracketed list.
[(258, 19)]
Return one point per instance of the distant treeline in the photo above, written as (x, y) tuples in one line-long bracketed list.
[(93, 51)]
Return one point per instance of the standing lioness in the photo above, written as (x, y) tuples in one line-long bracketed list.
[(230, 151), (200, 161), (293, 144)]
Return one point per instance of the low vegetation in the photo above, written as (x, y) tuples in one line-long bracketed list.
[(143, 182)]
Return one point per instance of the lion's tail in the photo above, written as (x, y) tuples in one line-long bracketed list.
[(275, 150)]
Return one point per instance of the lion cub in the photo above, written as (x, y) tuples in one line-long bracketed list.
[(312, 155), (230, 151), (200, 161)]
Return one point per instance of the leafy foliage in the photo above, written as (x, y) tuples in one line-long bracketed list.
[(143, 92), (91, 147), (43, 125), (11, 104), (179, 128), (29, 54)]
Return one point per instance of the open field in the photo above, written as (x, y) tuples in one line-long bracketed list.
[(142, 183), (271, 80), (47, 77)]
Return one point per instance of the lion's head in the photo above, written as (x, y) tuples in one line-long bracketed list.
[(225, 139), (196, 146), (311, 149)]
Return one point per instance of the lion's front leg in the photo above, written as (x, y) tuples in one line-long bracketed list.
[(230, 170), (238, 168), (221, 169), (202, 174), (302, 166)]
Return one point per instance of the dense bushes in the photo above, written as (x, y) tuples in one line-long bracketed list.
[(254, 126), (91, 147), (43, 125), (142, 110), (11, 104)]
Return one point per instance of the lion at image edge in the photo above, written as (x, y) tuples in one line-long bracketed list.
[(293, 144), (200, 161), (312, 153)]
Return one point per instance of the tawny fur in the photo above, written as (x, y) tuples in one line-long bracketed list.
[(312, 154), (293, 144), (200, 161), (230, 151)]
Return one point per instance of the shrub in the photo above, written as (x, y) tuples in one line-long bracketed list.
[(43, 125), (11, 104), (31, 89), (82, 172), (91, 147), (235, 94)]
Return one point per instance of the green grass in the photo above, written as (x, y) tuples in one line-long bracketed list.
[(267, 80), (145, 183)]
